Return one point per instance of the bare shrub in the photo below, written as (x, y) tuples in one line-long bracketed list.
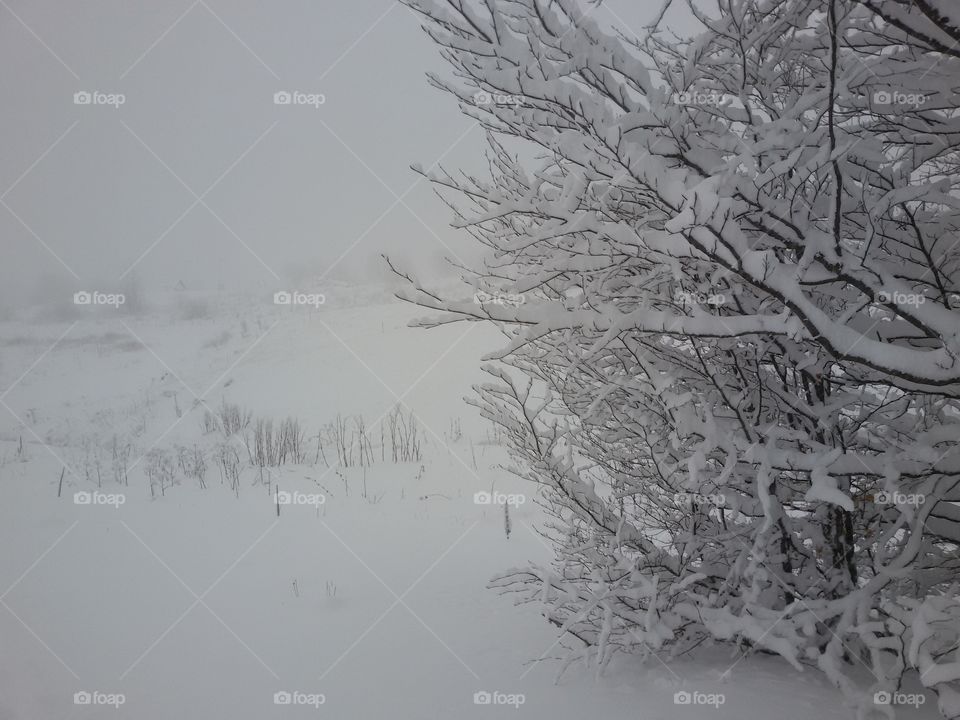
[(161, 471), (362, 442), (338, 434), (208, 422), (92, 465), (290, 446), (404, 436), (192, 463), (276, 445), (350, 438), (229, 418), (228, 462), (119, 460)]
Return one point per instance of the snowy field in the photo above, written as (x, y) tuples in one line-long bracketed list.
[(365, 597), (547, 359)]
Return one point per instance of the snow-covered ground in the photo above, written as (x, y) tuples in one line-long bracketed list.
[(205, 603)]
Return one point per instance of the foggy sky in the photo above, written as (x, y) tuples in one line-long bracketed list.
[(93, 195)]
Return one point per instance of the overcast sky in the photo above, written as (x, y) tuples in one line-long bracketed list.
[(199, 176)]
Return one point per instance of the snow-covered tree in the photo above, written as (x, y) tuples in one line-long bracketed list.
[(728, 269)]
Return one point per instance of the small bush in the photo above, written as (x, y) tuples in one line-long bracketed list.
[(228, 462), (192, 463), (272, 446), (229, 418), (161, 472), (404, 436)]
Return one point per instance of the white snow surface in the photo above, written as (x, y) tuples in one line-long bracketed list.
[(202, 604)]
